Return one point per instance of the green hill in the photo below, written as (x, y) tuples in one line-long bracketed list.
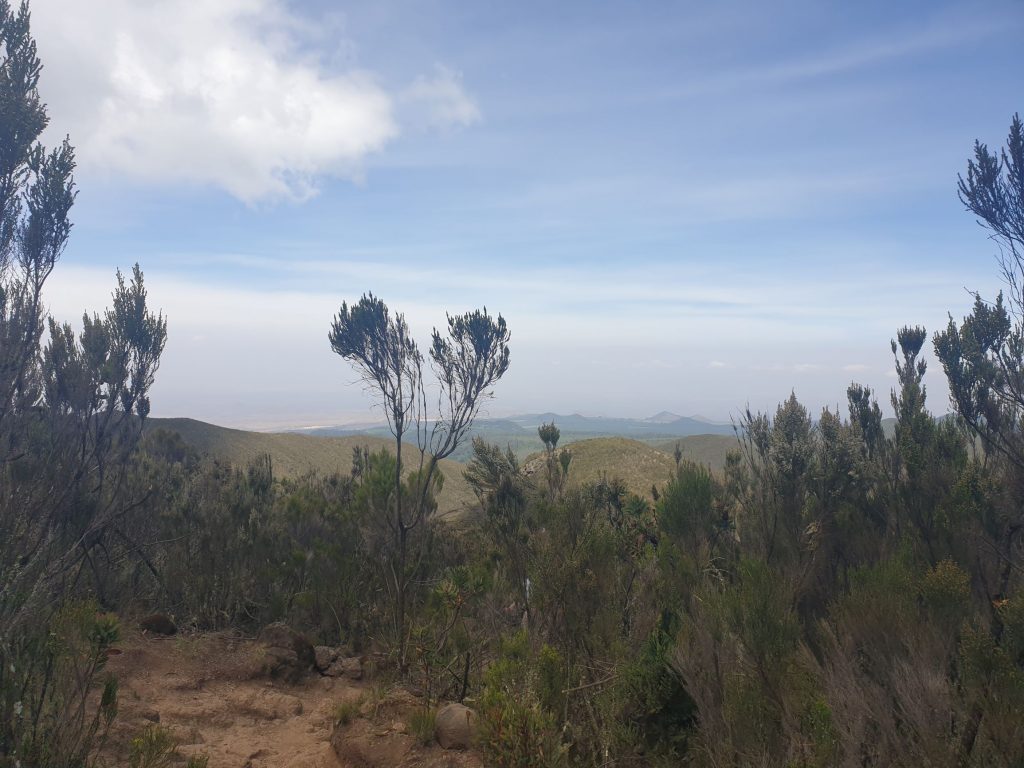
[(708, 450), (520, 432), (638, 465), (294, 454)]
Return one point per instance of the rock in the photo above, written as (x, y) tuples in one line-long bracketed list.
[(288, 654), (280, 635), (352, 668), (324, 656), (158, 624), (367, 750), (455, 726)]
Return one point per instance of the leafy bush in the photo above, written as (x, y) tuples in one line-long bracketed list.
[(153, 748), (48, 688), (515, 730)]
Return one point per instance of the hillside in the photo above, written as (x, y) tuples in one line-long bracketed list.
[(520, 432), (295, 454), (638, 465), (708, 450)]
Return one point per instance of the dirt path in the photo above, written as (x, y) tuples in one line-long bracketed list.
[(203, 689)]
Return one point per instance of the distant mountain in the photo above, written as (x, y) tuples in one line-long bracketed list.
[(665, 417), (520, 432), (664, 424), (705, 420), (502, 425)]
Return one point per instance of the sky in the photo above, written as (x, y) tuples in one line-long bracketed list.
[(685, 206)]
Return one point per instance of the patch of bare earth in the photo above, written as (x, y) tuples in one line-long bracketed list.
[(211, 692)]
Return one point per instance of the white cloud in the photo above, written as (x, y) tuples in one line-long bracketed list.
[(856, 368), (716, 364), (219, 92), (442, 100)]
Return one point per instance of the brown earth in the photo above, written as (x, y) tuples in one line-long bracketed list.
[(209, 692)]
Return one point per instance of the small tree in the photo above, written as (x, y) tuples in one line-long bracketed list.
[(549, 434), (983, 357), (927, 456), (71, 414), (503, 492), (467, 362), (994, 192)]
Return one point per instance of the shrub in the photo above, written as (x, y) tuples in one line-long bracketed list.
[(153, 748), (347, 711), (422, 724), (515, 731), (48, 682)]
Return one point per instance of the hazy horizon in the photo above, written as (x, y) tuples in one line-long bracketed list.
[(693, 209)]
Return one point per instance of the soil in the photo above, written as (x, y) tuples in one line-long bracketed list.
[(209, 692)]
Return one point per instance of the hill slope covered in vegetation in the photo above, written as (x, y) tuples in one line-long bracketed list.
[(294, 455)]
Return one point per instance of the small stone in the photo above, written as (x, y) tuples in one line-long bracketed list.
[(454, 726), (324, 656), (158, 624), (352, 668)]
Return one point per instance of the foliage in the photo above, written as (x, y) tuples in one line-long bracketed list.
[(245, 549), (467, 362), (516, 731), (556, 464), (156, 747), (422, 723), (53, 677), (348, 710), (983, 357), (153, 748), (71, 413)]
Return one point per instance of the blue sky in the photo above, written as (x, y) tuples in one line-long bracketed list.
[(687, 206)]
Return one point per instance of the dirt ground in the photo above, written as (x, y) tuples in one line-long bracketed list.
[(207, 691)]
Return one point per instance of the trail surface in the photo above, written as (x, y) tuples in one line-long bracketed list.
[(206, 691), (209, 692)]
